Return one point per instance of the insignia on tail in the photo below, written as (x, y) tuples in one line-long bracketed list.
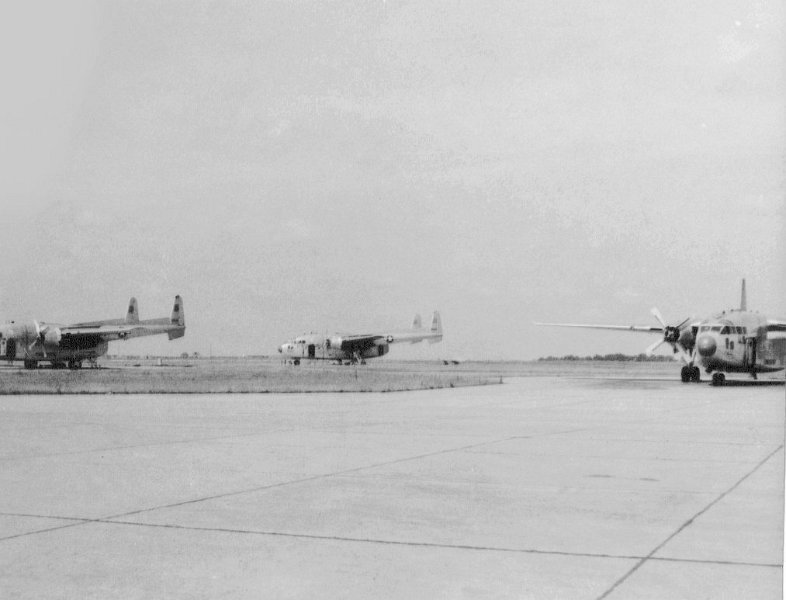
[(436, 328), (132, 316), (178, 318)]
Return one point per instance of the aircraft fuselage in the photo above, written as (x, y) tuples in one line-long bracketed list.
[(736, 341), (321, 347), (29, 343)]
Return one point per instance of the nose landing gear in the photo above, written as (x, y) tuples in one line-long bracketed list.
[(718, 379), (690, 373)]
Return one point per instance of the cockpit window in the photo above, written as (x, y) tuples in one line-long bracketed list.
[(716, 328), (725, 330)]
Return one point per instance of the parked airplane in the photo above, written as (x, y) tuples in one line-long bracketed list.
[(356, 348), (732, 341), (38, 341)]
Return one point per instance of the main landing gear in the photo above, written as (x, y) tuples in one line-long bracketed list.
[(690, 373)]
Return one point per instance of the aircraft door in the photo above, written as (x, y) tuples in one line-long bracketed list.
[(312, 350), (749, 355)]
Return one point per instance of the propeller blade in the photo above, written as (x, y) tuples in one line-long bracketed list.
[(40, 333), (656, 313), (680, 349), (653, 347)]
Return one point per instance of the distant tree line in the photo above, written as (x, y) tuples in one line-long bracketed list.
[(617, 356)]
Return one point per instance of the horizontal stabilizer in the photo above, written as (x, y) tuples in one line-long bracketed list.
[(177, 333)]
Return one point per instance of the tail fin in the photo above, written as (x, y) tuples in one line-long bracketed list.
[(743, 298), (416, 324), (436, 327), (178, 316), (132, 316)]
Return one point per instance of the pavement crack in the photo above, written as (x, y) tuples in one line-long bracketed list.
[(687, 524), (378, 541), (315, 477)]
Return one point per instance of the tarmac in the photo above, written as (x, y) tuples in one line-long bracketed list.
[(542, 487)]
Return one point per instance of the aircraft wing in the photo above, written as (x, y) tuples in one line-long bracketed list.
[(645, 328), (360, 342), (352, 343), (776, 325)]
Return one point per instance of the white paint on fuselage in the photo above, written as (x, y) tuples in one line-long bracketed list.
[(313, 346), (724, 343)]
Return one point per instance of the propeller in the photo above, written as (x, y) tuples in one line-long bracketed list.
[(671, 335), (40, 333)]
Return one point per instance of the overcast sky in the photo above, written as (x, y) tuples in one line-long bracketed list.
[(296, 166)]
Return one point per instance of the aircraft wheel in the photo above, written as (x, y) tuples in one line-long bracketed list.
[(695, 374), (718, 379), (31, 364), (685, 374), (296, 362), (74, 364)]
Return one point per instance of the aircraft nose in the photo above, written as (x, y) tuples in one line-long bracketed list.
[(706, 345)]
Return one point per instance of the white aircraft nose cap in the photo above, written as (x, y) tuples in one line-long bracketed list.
[(706, 345)]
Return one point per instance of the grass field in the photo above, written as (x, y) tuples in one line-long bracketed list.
[(184, 376)]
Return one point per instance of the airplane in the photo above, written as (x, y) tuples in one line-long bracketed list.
[(356, 348), (732, 341), (62, 345)]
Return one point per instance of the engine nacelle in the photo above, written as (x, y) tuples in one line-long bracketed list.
[(52, 336), (379, 349), (687, 338)]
